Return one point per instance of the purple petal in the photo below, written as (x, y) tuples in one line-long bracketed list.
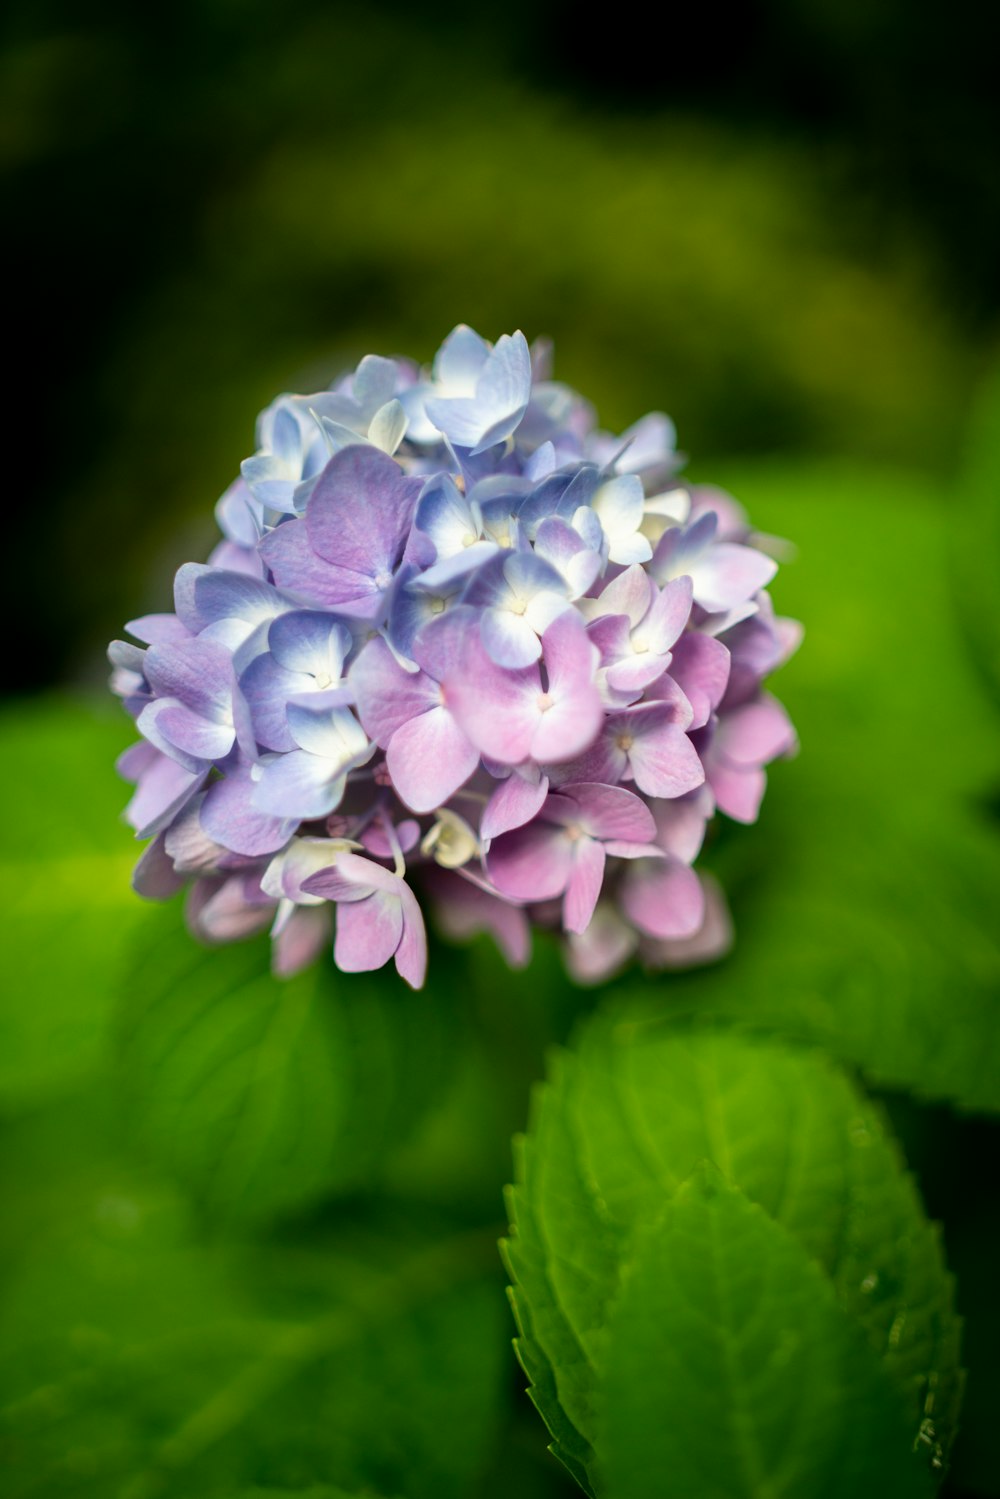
[(711, 941), (754, 734), (429, 758), (700, 667), (288, 553), (667, 617), (188, 845), (738, 793), (158, 629), (193, 735), (388, 696), (728, 573), (411, 954), (514, 802), (266, 687), (594, 955), (680, 823), (368, 932), (154, 877), (299, 786), (498, 709), (584, 886), (463, 910), (308, 641), (163, 789), (360, 513), (301, 940), (663, 898), (509, 639), (664, 761), (227, 915), (602, 811), (441, 646), (531, 863), (197, 672), (630, 593), (228, 817)]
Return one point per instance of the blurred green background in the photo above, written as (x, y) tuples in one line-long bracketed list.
[(780, 223)]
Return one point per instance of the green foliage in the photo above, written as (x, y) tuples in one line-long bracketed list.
[(624, 1122), (69, 910), (865, 904), (731, 1370), (262, 1094), (142, 1359), (976, 544)]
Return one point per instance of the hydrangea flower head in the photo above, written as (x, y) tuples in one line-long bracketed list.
[(460, 649)]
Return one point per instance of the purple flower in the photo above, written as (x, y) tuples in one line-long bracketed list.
[(456, 644), (564, 850)]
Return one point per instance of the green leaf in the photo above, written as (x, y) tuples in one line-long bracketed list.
[(976, 540), (70, 914), (731, 1370), (145, 1361), (879, 941), (627, 1118), (261, 1094), (865, 901)]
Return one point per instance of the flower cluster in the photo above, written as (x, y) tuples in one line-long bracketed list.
[(457, 643)]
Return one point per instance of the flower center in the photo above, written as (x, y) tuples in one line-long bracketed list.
[(625, 742), (574, 832), (544, 702), (469, 539), (518, 606), (438, 606)]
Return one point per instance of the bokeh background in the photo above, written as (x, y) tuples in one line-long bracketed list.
[(779, 221)]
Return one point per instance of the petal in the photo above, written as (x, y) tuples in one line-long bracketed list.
[(163, 790), (335, 733), (514, 802), (497, 708), (194, 735), (531, 863), (754, 734), (154, 877), (738, 792), (288, 553), (663, 898), (429, 758), (301, 940), (360, 512), (266, 688), (630, 593), (664, 761), (667, 616), (197, 672), (462, 911), (607, 943), (299, 786), (368, 932), (158, 629), (727, 574), (460, 360), (228, 817), (584, 886), (509, 638), (309, 641), (388, 696), (700, 667), (711, 941), (607, 812), (411, 954)]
